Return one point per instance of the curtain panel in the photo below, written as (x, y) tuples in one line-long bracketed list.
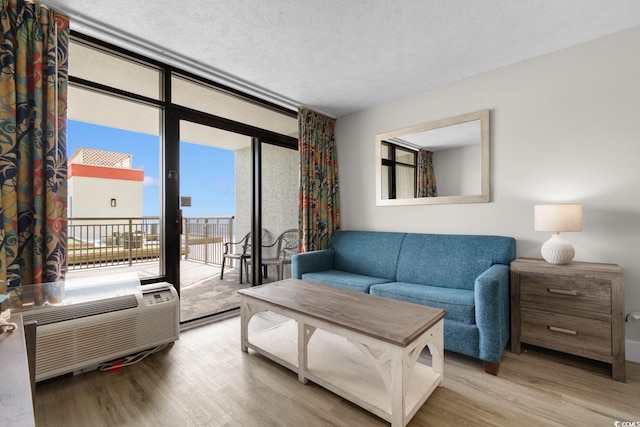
[(426, 177), (319, 205), (33, 164)]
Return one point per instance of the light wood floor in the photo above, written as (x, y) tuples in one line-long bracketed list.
[(205, 380)]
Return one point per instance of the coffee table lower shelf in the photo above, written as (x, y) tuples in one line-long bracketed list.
[(352, 370)]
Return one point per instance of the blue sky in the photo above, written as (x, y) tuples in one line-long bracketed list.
[(206, 174)]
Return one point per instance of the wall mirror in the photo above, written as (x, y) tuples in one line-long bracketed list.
[(445, 161)]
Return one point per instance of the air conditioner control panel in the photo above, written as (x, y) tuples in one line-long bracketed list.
[(158, 297)]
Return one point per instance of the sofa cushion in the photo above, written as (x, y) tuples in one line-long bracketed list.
[(368, 253), (344, 280), (451, 261), (459, 303)]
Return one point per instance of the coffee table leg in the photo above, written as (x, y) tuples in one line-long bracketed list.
[(397, 388), (244, 325), (436, 348), (304, 335), (302, 353)]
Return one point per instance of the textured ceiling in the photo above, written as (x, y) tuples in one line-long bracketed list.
[(339, 57)]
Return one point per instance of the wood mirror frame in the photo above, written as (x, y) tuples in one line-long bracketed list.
[(423, 130)]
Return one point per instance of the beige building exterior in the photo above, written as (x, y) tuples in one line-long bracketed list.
[(104, 184)]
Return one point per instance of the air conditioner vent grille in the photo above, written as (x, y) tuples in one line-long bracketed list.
[(78, 311)]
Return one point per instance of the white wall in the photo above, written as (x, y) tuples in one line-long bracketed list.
[(91, 197), (280, 187), (457, 171), (565, 127)]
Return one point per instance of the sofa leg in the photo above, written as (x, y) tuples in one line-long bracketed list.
[(491, 368)]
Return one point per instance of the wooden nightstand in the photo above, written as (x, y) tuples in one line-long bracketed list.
[(576, 308)]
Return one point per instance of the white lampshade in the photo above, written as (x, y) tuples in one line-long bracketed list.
[(558, 218)]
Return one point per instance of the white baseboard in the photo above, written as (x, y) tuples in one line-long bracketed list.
[(632, 351)]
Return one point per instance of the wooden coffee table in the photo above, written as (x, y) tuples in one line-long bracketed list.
[(362, 347)]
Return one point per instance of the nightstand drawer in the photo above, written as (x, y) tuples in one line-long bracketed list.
[(565, 333), (579, 293), (576, 308)]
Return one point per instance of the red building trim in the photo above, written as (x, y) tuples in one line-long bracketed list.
[(90, 171)]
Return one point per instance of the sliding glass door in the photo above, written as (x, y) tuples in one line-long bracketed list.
[(214, 214), (219, 181)]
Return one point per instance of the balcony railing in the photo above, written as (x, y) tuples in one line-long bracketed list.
[(205, 238), (101, 242)]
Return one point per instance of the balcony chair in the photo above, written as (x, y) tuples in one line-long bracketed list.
[(278, 253), (238, 251)]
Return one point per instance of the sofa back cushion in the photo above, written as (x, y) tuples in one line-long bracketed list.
[(370, 253), (451, 261)]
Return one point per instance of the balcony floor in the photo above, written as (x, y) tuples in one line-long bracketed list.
[(202, 292)]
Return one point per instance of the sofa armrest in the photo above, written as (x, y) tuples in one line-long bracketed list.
[(309, 262), (491, 293)]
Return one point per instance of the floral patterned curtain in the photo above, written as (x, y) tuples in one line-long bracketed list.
[(33, 165), (319, 204), (426, 177)]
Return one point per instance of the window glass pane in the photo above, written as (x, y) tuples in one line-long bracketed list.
[(204, 98), (99, 109), (386, 183), (407, 157), (405, 182), (108, 69), (114, 186), (209, 214), (385, 152)]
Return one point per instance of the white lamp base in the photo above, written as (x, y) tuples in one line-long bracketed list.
[(556, 250)]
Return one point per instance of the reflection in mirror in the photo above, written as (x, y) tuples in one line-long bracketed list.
[(398, 171), (446, 161)]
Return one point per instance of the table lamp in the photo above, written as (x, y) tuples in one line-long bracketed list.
[(558, 218)]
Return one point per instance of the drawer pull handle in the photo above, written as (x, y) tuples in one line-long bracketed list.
[(563, 330), (563, 291)]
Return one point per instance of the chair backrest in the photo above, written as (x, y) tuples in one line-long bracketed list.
[(265, 237), (238, 247), (288, 243), (246, 242)]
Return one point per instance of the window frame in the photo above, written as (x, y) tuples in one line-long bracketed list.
[(169, 135), (392, 163)]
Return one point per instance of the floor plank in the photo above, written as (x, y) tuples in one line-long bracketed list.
[(205, 380)]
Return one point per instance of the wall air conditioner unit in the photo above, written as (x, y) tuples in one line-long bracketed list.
[(77, 336)]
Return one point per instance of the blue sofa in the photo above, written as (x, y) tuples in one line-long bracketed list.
[(464, 274)]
